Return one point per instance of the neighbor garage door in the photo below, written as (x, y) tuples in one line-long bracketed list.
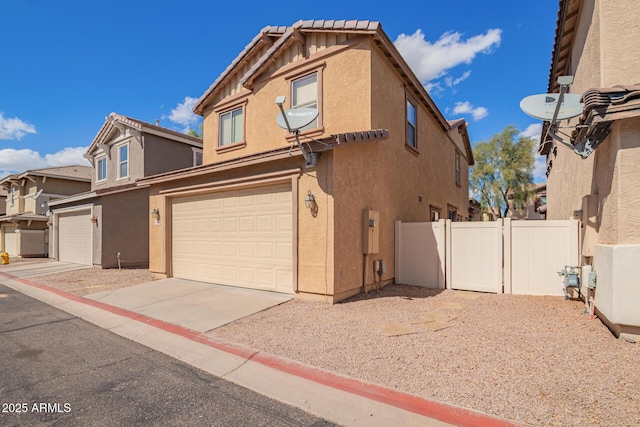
[(74, 237), (10, 239), (238, 238)]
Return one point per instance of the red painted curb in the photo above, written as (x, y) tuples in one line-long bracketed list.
[(437, 410)]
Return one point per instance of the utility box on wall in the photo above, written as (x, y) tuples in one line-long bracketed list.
[(370, 232)]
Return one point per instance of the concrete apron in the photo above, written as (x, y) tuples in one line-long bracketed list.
[(340, 399), (39, 267)]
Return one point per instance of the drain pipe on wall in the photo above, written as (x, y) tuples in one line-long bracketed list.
[(118, 256)]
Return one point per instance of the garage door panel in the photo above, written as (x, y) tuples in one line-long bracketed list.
[(247, 240), (74, 237), (10, 240)]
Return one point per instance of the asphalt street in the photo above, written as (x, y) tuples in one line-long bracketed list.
[(57, 369)]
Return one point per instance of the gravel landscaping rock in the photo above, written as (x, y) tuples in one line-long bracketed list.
[(532, 359)]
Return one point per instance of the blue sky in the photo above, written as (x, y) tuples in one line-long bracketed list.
[(65, 65)]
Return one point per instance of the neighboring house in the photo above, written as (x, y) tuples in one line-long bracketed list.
[(3, 201), (23, 228), (108, 225), (255, 215), (598, 42), (534, 208)]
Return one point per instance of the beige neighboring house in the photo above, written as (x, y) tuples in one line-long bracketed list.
[(598, 42), (108, 225), (256, 215), (3, 203), (534, 208), (24, 228)]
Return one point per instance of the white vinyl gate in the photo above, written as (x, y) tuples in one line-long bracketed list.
[(519, 257)]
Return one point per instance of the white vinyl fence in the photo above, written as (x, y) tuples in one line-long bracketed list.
[(519, 257)]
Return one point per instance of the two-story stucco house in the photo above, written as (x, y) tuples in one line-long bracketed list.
[(23, 228), (108, 225), (598, 43), (259, 214)]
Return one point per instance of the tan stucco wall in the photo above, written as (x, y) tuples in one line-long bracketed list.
[(360, 91), (605, 53), (345, 97)]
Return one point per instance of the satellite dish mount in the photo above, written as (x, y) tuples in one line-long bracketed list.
[(295, 119), (552, 107)]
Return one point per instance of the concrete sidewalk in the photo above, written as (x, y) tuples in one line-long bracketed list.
[(160, 319)]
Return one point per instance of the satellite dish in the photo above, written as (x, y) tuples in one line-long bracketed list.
[(296, 118), (543, 106)]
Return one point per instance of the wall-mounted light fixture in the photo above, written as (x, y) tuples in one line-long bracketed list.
[(310, 203), (94, 219), (155, 214)]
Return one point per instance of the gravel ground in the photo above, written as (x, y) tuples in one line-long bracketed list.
[(95, 279), (537, 360)]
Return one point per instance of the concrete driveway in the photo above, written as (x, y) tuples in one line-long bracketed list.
[(28, 267), (195, 305)]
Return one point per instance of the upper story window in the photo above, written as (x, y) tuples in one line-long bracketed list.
[(13, 194), (304, 94), (411, 124), (101, 169), (231, 127), (458, 167), (123, 161)]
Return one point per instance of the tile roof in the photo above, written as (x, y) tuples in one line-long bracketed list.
[(74, 172), (602, 106), (105, 131)]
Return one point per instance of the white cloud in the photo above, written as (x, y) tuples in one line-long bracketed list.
[(451, 82), (532, 131), (14, 128), (183, 114), (431, 61), (540, 166), (16, 161), (478, 113)]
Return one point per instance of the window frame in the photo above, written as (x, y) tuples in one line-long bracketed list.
[(318, 70), (229, 109), (434, 213), (197, 152), (98, 161), (410, 101), (458, 168), (452, 209), (120, 162)]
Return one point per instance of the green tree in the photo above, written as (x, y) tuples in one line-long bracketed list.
[(503, 168), (195, 132)]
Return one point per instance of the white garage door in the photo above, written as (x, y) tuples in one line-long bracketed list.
[(74, 237), (10, 239), (238, 238)]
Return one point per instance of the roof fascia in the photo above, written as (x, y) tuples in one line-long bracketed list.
[(264, 36), (408, 75)]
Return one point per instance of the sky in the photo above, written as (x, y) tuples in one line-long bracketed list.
[(66, 64)]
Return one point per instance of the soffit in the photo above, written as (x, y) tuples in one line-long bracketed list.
[(566, 26)]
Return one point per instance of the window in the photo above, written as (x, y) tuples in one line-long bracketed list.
[(101, 169), (197, 156), (123, 161), (458, 168), (13, 194), (411, 124), (452, 213), (304, 94), (435, 214), (231, 127)]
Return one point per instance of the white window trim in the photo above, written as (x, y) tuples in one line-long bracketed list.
[(413, 125), (197, 151), (118, 177), (106, 169)]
